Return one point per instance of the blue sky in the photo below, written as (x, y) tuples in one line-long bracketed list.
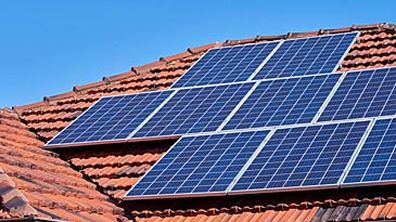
[(47, 47)]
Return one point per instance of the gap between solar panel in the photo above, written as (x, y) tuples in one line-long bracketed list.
[(110, 119), (265, 103), (227, 64), (363, 94), (375, 163), (269, 60), (203, 165), (194, 110), (306, 157), (302, 158), (304, 56), (288, 101), (153, 115)]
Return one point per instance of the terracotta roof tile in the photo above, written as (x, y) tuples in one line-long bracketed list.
[(268, 215), (112, 172), (89, 86), (37, 178), (117, 160), (115, 171), (147, 67), (176, 56), (122, 182), (12, 199), (325, 212), (204, 48), (119, 77)]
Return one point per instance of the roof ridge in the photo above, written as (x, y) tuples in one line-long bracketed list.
[(162, 61)]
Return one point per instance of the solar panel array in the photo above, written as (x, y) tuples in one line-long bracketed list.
[(111, 118), (367, 93), (195, 110), (200, 164), (318, 132), (284, 102), (207, 95), (226, 65), (306, 56), (258, 118), (376, 161), (303, 157)]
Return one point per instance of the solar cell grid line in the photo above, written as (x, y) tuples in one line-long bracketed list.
[(376, 160), (110, 119), (306, 56), (194, 110), (226, 65), (304, 157), (362, 94), (284, 102), (198, 165)]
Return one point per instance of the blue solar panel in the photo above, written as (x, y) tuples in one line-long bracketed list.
[(303, 157), (199, 164), (226, 65), (306, 56), (376, 161), (195, 110), (111, 118), (368, 93), (283, 102)]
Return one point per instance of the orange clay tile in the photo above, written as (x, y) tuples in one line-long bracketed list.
[(50, 182), (40, 174)]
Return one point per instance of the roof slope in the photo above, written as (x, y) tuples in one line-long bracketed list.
[(114, 169), (40, 184)]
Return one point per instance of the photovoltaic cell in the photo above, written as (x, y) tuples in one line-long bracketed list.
[(283, 102), (306, 56), (226, 65), (303, 157), (376, 161), (111, 118), (368, 93), (199, 164), (195, 110)]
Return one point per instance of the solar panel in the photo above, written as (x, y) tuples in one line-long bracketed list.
[(205, 164), (111, 118), (226, 65), (195, 110), (302, 158), (376, 161), (297, 57), (283, 102), (368, 93)]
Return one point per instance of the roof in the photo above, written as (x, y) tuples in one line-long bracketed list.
[(112, 170), (36, 183)]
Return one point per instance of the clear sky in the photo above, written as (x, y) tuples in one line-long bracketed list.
[(47, 47)]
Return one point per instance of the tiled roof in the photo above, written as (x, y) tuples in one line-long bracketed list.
[(344, 210), (36, 182), (117, 167), (364, 204)]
